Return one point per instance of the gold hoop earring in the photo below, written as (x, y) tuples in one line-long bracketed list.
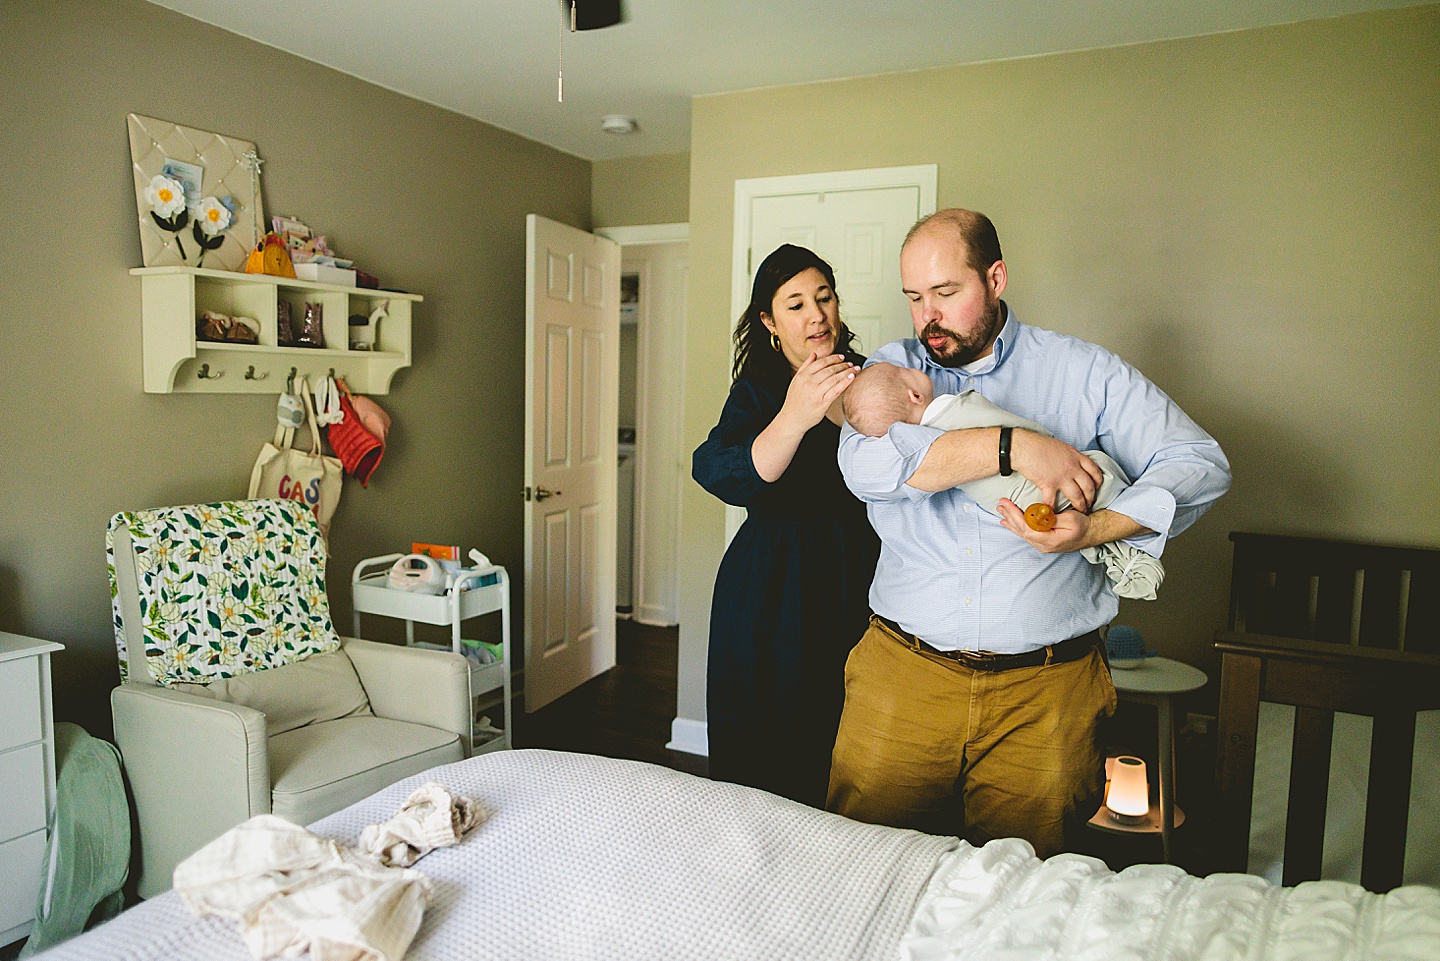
[(775, 341)]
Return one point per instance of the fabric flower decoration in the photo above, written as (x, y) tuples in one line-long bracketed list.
[(212, 217), (165, 196)]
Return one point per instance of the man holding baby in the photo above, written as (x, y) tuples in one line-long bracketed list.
[(976, 692)]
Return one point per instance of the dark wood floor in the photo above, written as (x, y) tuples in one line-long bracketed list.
[(626, 713)]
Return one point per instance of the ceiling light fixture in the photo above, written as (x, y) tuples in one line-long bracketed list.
[(619, 125)]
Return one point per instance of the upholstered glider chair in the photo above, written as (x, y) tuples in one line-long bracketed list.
[(237, 697)]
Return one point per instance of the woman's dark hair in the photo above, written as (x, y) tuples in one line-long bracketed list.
[(754, 357)]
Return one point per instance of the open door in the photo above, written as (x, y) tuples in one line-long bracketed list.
[(572, 294)]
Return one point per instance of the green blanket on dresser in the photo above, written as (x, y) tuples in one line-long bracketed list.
[(88, 855)]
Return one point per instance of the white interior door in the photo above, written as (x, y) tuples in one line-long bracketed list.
[(859, 233), (856, 220), (572, 288)]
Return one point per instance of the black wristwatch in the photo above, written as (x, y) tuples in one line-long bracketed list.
[(1005, 469)]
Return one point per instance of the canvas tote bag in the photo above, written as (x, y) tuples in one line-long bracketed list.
[(287, 473)]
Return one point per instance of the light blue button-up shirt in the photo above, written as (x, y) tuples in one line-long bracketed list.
[(949, 572)]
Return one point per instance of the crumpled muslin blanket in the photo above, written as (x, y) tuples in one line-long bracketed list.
[(291, 891), (1131, 572), (430, 818)]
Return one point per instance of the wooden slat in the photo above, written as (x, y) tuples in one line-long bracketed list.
[(1302, 649), (1334, 602), (1380, 609), (1387, 801), (1290, 613), (1239, 718), (1422, 614), (1309, 786)]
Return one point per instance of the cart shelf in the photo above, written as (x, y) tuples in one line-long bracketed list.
[(475, 591)]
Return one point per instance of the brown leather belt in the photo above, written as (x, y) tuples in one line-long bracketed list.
[(1071, 650)]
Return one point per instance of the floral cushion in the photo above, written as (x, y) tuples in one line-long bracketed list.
[(224, 589)]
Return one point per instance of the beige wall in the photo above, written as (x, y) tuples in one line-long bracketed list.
[(636, 191), (1253, 219), (427, 200)]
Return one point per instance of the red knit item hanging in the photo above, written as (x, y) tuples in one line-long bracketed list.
[(358, 449)]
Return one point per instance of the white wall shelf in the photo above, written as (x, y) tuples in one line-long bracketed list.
[(173, 297)]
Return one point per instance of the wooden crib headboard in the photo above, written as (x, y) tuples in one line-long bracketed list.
[(1326, 626)]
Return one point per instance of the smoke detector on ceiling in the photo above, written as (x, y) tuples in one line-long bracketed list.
[(619, 125)]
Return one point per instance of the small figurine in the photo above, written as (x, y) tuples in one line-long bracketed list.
[(270, 257)]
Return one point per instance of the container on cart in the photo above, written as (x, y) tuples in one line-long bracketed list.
[(474, 591)]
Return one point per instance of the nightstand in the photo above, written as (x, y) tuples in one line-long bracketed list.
[(1155, 682)]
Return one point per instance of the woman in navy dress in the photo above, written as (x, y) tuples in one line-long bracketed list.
[(792, 594)]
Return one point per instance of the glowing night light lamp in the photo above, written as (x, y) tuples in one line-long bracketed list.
[(1129, 797)]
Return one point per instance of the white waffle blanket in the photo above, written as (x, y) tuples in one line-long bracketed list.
[(590, 858)]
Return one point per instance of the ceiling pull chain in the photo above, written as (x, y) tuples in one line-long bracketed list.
[(560, 79)]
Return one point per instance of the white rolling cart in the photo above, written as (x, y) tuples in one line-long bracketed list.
[(371, 594)]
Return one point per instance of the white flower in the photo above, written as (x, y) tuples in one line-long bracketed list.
[(165, 195), (232, 613), (212, 216)]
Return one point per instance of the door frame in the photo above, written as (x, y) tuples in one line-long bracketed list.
[(646, 451), (920, 176)]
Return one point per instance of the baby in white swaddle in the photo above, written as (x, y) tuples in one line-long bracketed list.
[(884, 394)]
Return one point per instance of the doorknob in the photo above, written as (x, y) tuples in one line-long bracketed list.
[(540, 493)]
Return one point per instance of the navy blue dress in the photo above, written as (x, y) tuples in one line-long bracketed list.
[(791, 600)]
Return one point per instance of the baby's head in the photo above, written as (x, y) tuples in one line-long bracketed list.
[(883, 394)]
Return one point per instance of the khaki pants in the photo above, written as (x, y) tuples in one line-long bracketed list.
[(1016, 748)]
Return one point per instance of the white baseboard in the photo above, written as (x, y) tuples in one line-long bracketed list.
[(689, 736)]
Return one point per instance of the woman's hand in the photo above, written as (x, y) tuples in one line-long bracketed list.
[(816, 385), (813, 389)]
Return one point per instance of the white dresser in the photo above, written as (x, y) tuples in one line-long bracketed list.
[(27, 777)]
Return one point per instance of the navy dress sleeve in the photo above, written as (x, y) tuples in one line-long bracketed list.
[(723, 464)]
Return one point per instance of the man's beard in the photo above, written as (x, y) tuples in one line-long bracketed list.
[(962, 350)]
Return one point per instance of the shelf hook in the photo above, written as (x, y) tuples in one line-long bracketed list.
[(251, 375), (204, 373), (290, 382)]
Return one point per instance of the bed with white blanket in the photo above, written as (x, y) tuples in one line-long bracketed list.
[(582, 857)]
